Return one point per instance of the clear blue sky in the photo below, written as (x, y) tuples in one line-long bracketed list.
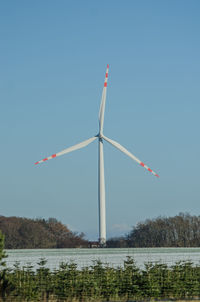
[(53, 56)]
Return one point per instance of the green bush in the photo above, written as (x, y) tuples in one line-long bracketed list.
[(101, 282)]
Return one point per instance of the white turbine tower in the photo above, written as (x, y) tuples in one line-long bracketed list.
[(101, 188)]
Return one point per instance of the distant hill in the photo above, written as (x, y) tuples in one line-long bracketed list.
[(24, 233)]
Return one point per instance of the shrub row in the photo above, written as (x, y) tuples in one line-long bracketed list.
[(100, 282)]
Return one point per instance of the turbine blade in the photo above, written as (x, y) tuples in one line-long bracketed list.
[(70, 149), (103, 102), (124, 150)]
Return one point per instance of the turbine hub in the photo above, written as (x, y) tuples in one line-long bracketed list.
[(100, 137)]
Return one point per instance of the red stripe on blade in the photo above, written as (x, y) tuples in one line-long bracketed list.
[(105, 84), (157, 175), (45, 159), (142, 164), (107, 65), (149, 170), (54, 155), (37, 163), (106, 74)]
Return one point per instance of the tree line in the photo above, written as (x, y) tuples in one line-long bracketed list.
[(182, 230), (38, 233)]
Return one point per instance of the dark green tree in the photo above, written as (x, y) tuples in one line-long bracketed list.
[(2, 252), (4, 279)]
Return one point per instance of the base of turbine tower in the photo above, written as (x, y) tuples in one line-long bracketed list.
[(102, 243)]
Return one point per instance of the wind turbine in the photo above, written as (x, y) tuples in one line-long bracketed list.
[(101, 182)]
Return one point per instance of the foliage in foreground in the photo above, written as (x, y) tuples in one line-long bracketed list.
[(101, 282)]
